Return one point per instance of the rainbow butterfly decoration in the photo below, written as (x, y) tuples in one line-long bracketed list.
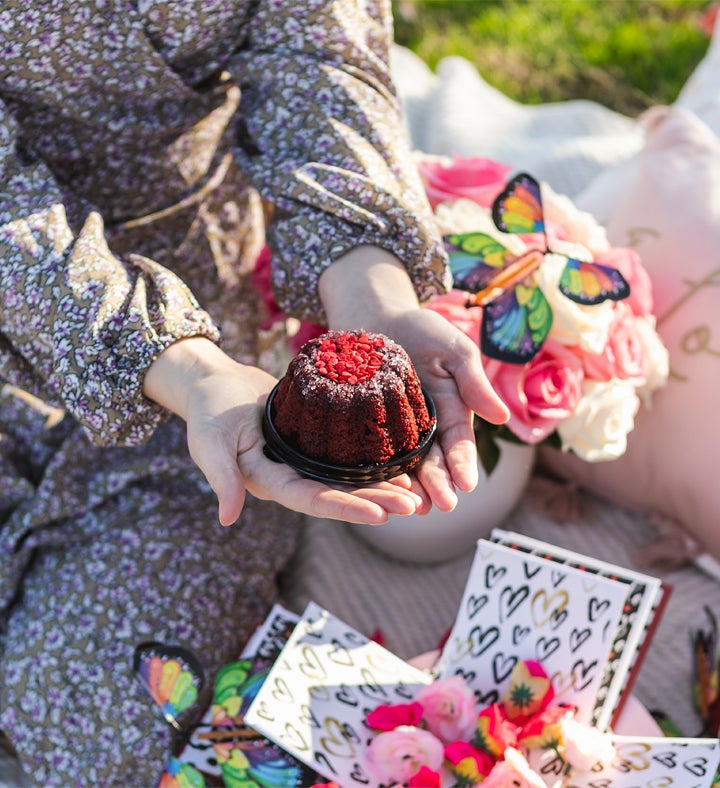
[(516, 314), (174, 678), (247, 759)]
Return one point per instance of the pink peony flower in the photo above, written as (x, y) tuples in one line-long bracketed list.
[(513, 771), (469, 764), (396, 756), (387, 718), (541, 393), (529, 692), (474, 179), (448, 708)]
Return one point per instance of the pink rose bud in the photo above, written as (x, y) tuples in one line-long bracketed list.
[(387, 718), (448, 708), (396, 756)]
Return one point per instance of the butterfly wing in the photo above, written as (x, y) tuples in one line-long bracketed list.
[(267, 767), (475, 258), (249, 763), (180, 775), (592, 283), (518, 208), (515, 325), (171, 675)]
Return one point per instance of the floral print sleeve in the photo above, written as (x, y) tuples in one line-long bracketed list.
[(83, 323), (322, 138)]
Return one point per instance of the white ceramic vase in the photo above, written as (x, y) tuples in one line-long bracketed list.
[(439, 536)]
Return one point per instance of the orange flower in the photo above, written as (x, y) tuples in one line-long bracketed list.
[(529, 692), (468, 764), (494, 732)]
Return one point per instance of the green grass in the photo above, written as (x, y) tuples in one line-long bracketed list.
[(627, 54)]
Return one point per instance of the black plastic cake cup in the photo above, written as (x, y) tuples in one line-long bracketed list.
[(279, 450)]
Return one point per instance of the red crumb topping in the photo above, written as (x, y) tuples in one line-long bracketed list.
[(349, 358)]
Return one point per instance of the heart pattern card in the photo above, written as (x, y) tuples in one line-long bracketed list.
[(585, 622), (645, 599), (518, 606), (221, 747), (314, 701), (639, 763)]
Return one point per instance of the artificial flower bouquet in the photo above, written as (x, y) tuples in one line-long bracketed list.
[(568, 339), (441, 738)]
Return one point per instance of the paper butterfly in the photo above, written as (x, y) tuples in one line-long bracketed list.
[(172, 675), (245, 757), (180, 775), (517, 316), (706, 652)]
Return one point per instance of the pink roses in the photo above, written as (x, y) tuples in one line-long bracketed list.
[(585, 385), (474, 179)]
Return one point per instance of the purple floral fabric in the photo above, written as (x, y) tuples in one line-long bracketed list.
[(143, 143)]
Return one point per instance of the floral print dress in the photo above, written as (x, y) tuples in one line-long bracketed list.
[(142, 145)]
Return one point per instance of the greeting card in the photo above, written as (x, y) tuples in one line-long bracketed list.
[(640, 763), (321, 688), (539, 660), (645, 600), (519, 606)]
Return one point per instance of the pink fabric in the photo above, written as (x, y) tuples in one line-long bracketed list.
[(666, 203)]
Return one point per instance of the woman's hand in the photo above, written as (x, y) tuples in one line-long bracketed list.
[(222, 402), (368, 288)]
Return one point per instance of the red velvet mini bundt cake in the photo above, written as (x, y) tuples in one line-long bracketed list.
[(351, 398)]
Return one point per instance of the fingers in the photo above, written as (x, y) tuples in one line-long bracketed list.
[(436, 479), (215, 457)]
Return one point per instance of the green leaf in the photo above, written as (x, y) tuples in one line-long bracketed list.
[(487, 448)]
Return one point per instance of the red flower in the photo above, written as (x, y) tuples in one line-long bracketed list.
[(425, 778), (387, 718), (543, 728)]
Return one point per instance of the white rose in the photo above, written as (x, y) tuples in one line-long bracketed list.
[(581, 226), (585, 746), (466, 216), (598, 428), (587, 327)]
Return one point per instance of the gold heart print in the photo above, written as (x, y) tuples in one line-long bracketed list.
[(335, 742), (293, 738), (311, 665), (281, 692), (544, 606)]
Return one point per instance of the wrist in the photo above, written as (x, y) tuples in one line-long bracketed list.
[(367, 287), (182, 365)]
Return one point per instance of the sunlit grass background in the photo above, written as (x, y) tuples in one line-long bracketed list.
[(627, 54)]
